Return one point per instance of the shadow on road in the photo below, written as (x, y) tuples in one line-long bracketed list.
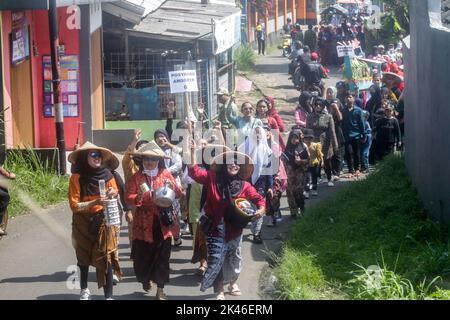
[(54, 277)]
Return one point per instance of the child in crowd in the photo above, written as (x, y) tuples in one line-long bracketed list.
[(365, 145), (315, 160)]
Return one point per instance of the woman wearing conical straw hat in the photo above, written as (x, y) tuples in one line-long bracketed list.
[(153, 226), (196, 202), (226, 182), (94, 241)]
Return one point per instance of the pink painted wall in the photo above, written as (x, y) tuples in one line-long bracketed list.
[(70, 38), (6, 29)]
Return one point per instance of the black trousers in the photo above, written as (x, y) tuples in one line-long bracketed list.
[(261, 46), (4, 202), (352, 155), (383, 150), (336, 161), (107, 289), (313, 173)]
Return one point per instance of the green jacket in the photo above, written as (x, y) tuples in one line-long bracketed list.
[(311, 40), (226, 112), (299, 36)]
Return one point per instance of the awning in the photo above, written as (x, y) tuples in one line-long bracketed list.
[(335, 8), (182, 21), (349, 1)]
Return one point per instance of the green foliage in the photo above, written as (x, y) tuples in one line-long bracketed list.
[(380, 283), (399, 9), (245, 57), (394, 24), (36, 179), (299, 277), (378, 221)]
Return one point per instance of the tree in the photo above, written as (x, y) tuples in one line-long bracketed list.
[(262, 6), (398, 10)]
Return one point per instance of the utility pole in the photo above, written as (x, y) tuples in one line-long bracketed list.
[(57, 104)]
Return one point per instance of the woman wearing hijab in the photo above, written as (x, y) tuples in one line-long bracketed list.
[(262, 112), (174, 164), (274, 113), (153, 226), (334, 108), (296, 161), (322, 124), (226, 181), (304, 108), (257, 148), (95, 242), (196, 202)]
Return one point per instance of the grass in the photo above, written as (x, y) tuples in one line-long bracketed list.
[(375, 224), (245, 58), (34, 178), (148, 127)]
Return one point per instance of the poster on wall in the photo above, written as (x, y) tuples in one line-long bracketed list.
[(69, 86), (20, 47)]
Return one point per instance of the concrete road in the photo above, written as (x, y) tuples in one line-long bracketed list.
[(38, 261)]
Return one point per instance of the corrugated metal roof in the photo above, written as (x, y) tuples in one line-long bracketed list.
[(148, 5), (181, 19), (152, 5)]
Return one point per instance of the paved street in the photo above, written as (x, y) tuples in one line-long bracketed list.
[(37, 253)]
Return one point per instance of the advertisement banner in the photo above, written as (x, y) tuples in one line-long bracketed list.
[(226, 32)]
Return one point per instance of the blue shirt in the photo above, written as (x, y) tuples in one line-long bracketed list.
[(353, 124)]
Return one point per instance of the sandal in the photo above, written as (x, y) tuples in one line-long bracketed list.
[(147, 286), (160, 295), (200, 271), (7, 174), (220, 296), (234, 290)]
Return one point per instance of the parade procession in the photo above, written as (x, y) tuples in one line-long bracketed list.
[(224, 150)]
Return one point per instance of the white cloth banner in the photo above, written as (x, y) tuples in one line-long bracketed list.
[(227, 32), (344, 51)]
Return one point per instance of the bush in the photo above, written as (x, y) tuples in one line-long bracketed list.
[(34, 178), (245, 58), (378, 221)]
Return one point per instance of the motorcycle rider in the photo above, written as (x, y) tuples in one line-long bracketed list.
[(288, 26), (296, 52), (314, 73)]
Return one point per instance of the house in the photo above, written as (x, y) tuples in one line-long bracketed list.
[(176, 35), (26, 71)]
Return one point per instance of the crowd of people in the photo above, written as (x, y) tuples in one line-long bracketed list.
[(215, 175), (225, 177)]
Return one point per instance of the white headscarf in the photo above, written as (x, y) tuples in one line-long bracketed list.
[(258, 150)]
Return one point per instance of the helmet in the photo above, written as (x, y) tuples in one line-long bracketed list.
[(297, 26), (341, 84)]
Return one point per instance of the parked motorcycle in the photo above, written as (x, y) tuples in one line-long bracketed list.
[(286, 45)]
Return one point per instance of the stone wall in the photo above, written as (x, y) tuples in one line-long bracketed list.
[(427, 107)]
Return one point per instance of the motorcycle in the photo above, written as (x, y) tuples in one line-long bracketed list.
[(286, 45)]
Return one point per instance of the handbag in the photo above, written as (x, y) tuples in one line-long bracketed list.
[(166, 216)]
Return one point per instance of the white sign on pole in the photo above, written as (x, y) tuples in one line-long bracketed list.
[(226, 32), (183, 81), (344, 51)]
